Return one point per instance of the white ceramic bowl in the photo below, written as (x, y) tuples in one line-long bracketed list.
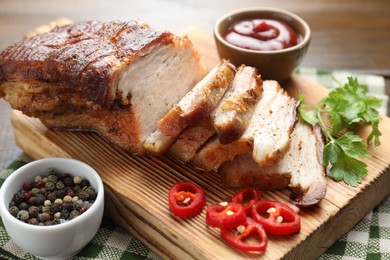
[(60, 241)]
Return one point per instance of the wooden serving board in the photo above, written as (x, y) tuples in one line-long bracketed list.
[(137, 187)]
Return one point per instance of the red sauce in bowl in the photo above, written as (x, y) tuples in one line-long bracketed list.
[(262, 35)]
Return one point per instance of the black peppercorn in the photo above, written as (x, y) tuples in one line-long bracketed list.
[(84, 183), (68, 181), (52, 199), (61, 193), (23, 206), (64, 214), (83, 195), (33, 211), (55, 208), (52, 196), (18, 197)]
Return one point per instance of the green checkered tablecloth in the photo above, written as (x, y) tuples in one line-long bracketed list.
[(369, 239)]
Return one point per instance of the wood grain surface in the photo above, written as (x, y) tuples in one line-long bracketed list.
[(347, 35), (137, 188)]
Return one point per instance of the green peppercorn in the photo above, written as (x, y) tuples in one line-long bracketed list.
[(38, 178), (60, 185), (23, 215), (50, 186), (52, 178), (45, 209), (34, 191), (50, 171), (14, 211)]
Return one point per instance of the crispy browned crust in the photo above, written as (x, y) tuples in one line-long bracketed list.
[(85, 56), (240, 104), (213, 153), (176, 120), (190, 140)]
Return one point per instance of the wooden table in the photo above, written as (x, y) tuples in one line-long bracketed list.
[(347, 35)]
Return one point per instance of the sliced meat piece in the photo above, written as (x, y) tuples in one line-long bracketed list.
[(301, 166), (115, 78), (194, 107), (267, 135), (243, 172), (272, 123), (197, 104), (191, 139), (231, 116)]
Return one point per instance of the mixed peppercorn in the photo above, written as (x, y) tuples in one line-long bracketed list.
[(52, 198)]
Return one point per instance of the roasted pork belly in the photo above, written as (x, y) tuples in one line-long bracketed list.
[(300, 168), (231, 116), (194, 107), (267, 135), (191, 140), (116, 78)]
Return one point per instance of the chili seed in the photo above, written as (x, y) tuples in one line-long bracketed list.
[(186, 200), (241, 229), (223, 203), (271, 210), (279, 219), (229, 213)]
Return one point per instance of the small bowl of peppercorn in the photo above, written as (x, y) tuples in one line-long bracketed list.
[(273, 40), (53, 207)]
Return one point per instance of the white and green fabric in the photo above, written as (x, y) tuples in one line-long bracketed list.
[(369, 239)]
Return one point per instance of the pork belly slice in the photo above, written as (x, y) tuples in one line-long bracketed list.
[(243, 172), (115, 78), (267, 136), (231, 116), (300, 169), (194, 107), (191, 140)]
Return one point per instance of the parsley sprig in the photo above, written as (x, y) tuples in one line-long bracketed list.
[(347, 107)]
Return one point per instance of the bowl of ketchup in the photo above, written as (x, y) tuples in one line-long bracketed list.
[(272, 40)]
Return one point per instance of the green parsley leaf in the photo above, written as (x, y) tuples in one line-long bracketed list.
[(346, 106)]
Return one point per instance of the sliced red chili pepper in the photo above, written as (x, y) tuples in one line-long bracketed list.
[(277, 218), (251, 238), (225, 216), (247, 197), (186, 199)]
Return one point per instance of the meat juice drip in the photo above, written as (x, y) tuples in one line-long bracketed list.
[(262, 35)]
